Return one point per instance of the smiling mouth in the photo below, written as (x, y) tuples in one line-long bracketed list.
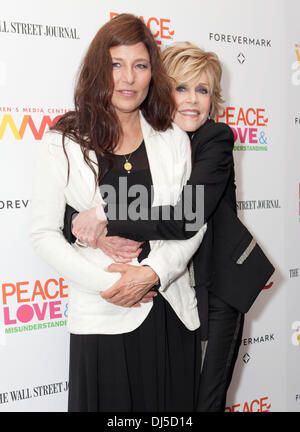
[(189, 113), (127, 92)]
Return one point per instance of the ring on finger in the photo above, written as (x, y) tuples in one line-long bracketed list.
[(81, 244)]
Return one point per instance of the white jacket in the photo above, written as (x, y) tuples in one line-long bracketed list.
[(83, 268)]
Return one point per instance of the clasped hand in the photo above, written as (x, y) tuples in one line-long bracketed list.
[(88, 229), (135, 284), (133, 288)]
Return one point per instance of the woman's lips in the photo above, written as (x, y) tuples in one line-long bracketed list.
[(127, 92), (190, 113)]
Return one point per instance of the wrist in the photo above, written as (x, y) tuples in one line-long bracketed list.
[(152, 274), (101, 216)]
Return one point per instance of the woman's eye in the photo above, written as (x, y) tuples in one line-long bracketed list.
[(202, 90), (180, 88), (142, 66), (116, 64)]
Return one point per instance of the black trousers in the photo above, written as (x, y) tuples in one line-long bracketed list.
[(225, 327)]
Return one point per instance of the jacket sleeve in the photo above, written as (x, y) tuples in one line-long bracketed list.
[(67, 228), (212, 165), (171, 259), (47, 215)]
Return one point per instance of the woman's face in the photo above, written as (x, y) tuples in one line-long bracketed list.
[(131, 76), (192, 103)]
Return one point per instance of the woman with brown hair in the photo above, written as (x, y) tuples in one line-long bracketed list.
[(122, 358)]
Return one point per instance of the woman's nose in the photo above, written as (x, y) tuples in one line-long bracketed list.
[(191, 96), (128, 75)]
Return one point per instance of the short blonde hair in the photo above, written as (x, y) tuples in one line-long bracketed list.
[(184, 61)]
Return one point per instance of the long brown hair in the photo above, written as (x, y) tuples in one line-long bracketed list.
[(93, 123)]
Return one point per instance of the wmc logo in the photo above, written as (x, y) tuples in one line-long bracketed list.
[(160, 28), (249, 127), (27, 122)]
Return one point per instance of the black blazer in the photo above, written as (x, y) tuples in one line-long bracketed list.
[(229, 262)]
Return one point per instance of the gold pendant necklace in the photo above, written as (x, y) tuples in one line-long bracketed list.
[(127, 165)]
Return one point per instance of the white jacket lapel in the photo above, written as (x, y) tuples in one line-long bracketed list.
[(88, 195), (160, 152)]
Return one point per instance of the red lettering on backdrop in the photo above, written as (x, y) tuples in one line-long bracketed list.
[(149, 26), (256, 405), (163, 26), (250, 117), (58, 288)]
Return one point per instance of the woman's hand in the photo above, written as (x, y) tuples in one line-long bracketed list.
[(120, 249), (87, 227), (134, 286)]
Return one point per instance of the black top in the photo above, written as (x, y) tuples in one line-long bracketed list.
[(118, 176), (125, 192)]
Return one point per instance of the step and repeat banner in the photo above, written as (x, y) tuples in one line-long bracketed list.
[(42, 44)]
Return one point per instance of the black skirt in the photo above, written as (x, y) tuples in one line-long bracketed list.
[(156, 367)]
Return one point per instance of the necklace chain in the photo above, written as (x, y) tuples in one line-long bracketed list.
[(127, 165)]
